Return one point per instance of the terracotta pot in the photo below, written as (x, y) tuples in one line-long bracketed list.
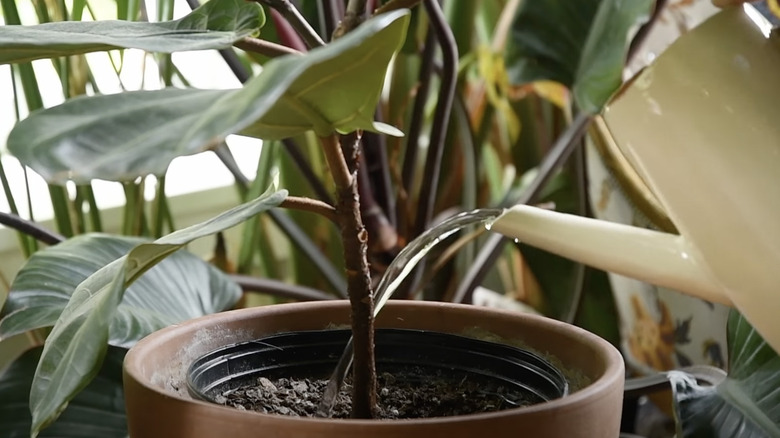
[(158, 404)]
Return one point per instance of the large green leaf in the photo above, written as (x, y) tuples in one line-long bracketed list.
[(76, 345), (96, 412), (547, 38), (120, 137), (746, 404), (215, 25), (41, 290), (581, 44)]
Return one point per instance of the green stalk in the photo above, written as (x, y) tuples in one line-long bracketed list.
[(164, 61), (460, 16), (158, 208), (88, 195), (78, 10), (27, 243), (252, 226), (60, 204), (130, 217), (34, 101)]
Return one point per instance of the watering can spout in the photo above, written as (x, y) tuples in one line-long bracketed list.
[(660, 258)]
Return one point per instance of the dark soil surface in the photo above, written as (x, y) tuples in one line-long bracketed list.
[(406, 393)]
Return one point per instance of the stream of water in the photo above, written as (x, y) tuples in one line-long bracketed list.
[(396, 273)]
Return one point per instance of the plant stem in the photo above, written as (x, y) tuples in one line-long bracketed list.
[(374, 149), (393, 5), (266, 48), (278, 288), (353, 16), (310, 205), (303, 165), (415, 129), (296, 20), (355, 241), (30, 228), (330, 12), (310, 250), (337, 163), (441, 117)]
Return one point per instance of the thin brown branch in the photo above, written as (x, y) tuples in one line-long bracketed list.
[(392, 5), (296, 20), (311, 205), (264, 47)]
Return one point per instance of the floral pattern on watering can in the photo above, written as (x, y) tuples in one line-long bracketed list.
[(660, 328)]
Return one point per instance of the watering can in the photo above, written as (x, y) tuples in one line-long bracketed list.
[(701, 127)]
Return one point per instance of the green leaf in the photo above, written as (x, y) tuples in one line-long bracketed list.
[(745, 404), (97, 412), (547, 38), (42, 288), (215, 25), (601, 64), (75, 348), (123, 136), (581, 44)]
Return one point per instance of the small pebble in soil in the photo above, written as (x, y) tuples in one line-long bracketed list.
[(403, 394)]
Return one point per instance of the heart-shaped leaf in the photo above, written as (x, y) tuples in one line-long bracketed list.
[(181, 287), (120, 137), (581, 44), (214, 25), (96, 412), (74, 349), (745, 404)]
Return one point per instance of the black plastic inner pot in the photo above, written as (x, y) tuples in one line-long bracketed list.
[(313, 354)]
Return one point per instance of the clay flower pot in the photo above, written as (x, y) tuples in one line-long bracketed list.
[(158, 404)]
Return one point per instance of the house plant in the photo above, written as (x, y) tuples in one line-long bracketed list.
[(315, 206)]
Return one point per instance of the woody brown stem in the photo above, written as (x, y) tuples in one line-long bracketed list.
[(355, 240)]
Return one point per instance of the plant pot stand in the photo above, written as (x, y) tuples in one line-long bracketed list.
[(158, 404)]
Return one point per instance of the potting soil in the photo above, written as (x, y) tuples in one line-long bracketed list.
[(403, 394)]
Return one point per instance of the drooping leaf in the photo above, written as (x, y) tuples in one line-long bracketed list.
[(581, 44), (96, 412), (76, 345), (120, 137), (215, 25), (745, 404), (181, 287)]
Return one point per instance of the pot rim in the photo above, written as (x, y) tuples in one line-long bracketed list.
[(613, 360)]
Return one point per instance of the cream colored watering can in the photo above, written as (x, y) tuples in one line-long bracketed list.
[(701, 127)]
